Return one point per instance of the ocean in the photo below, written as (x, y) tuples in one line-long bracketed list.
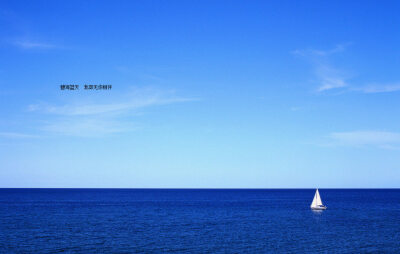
[(198, 221)]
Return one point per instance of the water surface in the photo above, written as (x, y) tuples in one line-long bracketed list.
[(198, 221)]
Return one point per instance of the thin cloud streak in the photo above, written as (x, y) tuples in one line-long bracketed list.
[(329, 83), (87, 127), (96, 109), (93, 119), (16, 135), (379, 88), (328, 76), (316, 52), (378, 139), (33, 45)]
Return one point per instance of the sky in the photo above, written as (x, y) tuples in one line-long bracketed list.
[(205, 94)]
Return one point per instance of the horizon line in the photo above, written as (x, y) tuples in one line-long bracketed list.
[(139, 188)]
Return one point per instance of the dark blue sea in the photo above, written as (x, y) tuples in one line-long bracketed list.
[(198, 221)]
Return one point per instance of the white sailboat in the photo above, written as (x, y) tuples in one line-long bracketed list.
[(317, 202)]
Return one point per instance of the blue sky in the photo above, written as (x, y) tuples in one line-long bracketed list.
[(205, 94)]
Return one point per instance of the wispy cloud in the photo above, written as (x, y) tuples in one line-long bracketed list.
[(82, 109), (16, 135), (383, 88), (25, 44), (329, 83), (328, 77), (295, 108), (378, 139), (317, 52), (112, 115), (87, 127)]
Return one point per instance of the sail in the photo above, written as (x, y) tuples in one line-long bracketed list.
[(317, 200)]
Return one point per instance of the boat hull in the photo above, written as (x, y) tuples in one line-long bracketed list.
[(318, 208)]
